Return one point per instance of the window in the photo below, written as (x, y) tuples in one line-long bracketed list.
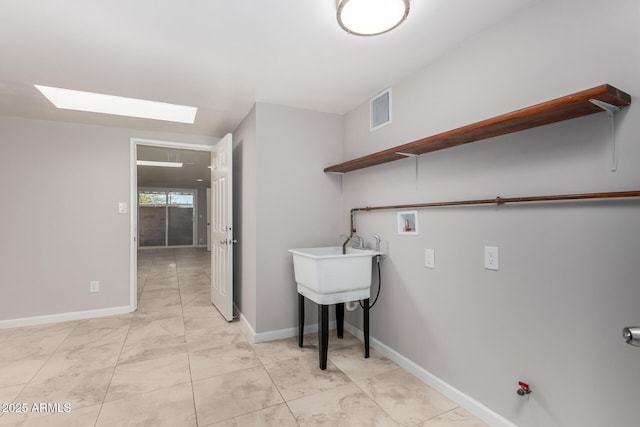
[(166, 217), (152, 198), (181, 199)]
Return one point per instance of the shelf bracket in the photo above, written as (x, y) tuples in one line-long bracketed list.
[(611, 110), (415, 156)]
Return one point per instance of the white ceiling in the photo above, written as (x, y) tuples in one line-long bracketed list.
[(195, 165), (218, 55)]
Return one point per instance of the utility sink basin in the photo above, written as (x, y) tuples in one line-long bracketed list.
[(327, 276)]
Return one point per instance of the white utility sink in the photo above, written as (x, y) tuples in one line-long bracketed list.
[(327, 276)]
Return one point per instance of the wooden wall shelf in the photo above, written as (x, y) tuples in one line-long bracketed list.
[(556, 110)]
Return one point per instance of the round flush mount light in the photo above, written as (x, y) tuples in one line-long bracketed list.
[(371, 17)]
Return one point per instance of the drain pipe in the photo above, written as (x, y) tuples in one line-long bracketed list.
[(344, 245), (351, 305), (352, 230)]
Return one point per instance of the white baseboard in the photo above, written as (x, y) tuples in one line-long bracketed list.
[(279, 334), (246, 327), (467, 402), (63, 317)]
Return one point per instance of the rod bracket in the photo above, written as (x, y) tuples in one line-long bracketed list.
[(415, 156), (611, 110)]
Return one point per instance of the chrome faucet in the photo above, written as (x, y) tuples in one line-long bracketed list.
[(377, 238)]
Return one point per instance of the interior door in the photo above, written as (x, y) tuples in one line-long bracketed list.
[(222, 228)]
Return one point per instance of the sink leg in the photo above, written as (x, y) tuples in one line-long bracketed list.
[(300, 319), (323, 335), (366, 328), (340, 319)]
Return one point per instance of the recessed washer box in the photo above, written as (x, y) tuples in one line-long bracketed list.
[(408, 223)]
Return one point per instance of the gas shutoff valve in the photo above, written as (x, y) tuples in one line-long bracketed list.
[(524, 389)]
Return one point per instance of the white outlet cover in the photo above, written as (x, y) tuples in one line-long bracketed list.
[(94, 286), (429, 258), (491, 258)]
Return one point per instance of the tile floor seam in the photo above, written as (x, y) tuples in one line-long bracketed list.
[(247, 413), (287, 402), (438, 415), (17, 395), (374, 400), (48, 358), (148, 391), (106, 392), (277, 388), (193, 393), (234, 372), (445, 412)]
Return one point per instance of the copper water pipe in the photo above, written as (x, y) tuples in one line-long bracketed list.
[(500, 201)]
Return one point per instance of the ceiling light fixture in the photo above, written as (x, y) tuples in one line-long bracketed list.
[(371, 17), (69, 99), (160, 164)]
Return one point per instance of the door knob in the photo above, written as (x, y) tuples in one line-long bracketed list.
[(223, 242), (631, 335)]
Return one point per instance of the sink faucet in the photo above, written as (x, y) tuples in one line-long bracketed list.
[(359, 243), (377, 238)]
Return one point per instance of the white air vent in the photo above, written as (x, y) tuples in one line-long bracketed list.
[(380, 107)]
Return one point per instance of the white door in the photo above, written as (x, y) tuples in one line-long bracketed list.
[(222, 228), (208, 219)]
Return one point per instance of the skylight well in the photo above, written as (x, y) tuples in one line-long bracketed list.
[(69, 99)]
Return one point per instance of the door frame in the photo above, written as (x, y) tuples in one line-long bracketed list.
[(133, 204), (208, 204)]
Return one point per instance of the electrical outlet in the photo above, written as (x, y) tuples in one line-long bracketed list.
[(429, 258), (94, 286), (491, 259)]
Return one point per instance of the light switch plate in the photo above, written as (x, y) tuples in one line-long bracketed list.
[(122, 207), (491, 258), (429, 258)]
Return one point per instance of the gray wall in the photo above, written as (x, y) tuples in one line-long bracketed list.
[(568, 279), (298, 205), (60, 225), (284, 201), (244, 217)]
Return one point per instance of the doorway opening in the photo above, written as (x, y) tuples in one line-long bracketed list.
[(169, 208)]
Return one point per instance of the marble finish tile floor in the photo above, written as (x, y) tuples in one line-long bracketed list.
[(176, 362)]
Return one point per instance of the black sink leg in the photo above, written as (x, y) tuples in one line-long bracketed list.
[(366, 328), (300, 319), (323, 335), (340, 319)]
